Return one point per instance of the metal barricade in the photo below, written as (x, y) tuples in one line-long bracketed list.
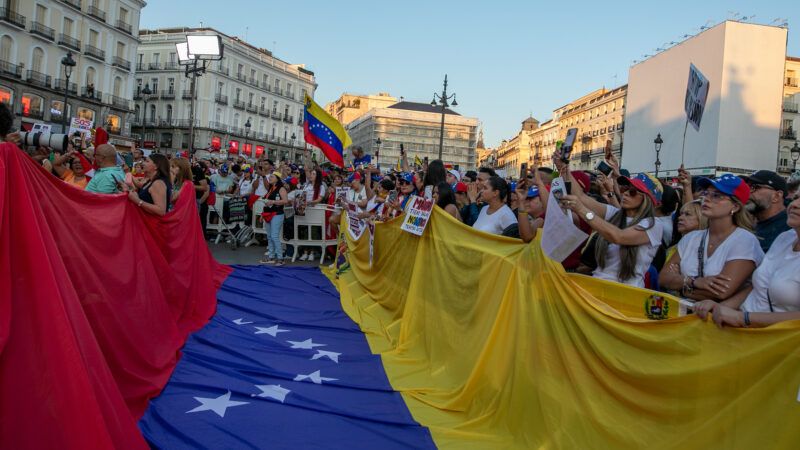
[(311, 222)]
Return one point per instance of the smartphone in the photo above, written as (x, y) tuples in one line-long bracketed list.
[(523, 170), (456, 167), (392, 196), (425, 161), (569, 141), (608, 149), (428, 191), (402, 149), (604, 168), (568, 187)]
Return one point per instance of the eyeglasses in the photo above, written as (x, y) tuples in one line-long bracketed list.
[(714, 196), (755, 187)]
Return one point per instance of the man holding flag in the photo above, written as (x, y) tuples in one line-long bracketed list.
[(322, 130)]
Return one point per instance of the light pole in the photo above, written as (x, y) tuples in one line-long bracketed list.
[(145, 97), (442, 100), (68, 64), (198, 48), (247, 126), (294, 136), (378, 143), (657, 142), (795, 152)]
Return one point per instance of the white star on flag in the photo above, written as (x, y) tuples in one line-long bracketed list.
[(241, 322), (315, 377), (273, 391), (272, 331), (333, 356), (218, 405), (307, 344)]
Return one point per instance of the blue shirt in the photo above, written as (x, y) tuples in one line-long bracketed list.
[(105, 180)]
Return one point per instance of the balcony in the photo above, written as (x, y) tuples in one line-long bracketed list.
[(97, 13), (276, 115), (126, 27), (263, 112), (168, 94), (241, 77), (74, 3), (154, 66), (69, 42), (252, 108), (119, 102), (183, 123), (121, 63), (9, 16), (186, 94), (91, 94), (288, 119), (790, 107), (238, 104), (788, 134), (61, 84), (171, 66), (10, 70), (265, 85), (288, 94), (40, 29), (221, 99), (277, 90), (218, 126), (166, 123), (790, 82), (94, 52), (38, 79)]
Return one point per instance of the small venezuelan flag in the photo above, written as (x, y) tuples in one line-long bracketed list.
[(325, 132)]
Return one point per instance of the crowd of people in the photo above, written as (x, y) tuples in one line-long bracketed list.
[(731, 244)]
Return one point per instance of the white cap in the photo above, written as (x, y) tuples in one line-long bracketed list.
[(455, 173)]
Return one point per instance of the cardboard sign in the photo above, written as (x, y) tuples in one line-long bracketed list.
[(234, 209), (354, 224), (696, 94), (84, 126), (341, 195), (417, 215)]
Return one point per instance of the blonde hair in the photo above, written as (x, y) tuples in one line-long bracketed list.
[(742, 218), (695, 207)]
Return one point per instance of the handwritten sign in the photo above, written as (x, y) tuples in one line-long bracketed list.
[(696, 94), (341, 195), (234, 209), (418, 215), (354, 224), (83, 126)]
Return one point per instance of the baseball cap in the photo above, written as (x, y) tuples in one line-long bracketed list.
[(583, 179), (407, 177), (728, 184), (353, 177), (644, 183), (461, 187), (532, 192), (767, 178), (455, 173)]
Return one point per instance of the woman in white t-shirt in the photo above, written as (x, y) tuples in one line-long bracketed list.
[(775, 292), (714, 263), (628, 237), (496, 216), (357, 193)]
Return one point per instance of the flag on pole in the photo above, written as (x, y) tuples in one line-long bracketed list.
[(417, 161), (324, 131)]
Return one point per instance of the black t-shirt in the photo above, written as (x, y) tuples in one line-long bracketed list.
[(198, 175)]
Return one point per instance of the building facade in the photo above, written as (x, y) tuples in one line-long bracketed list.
[(349, 107), (103, 37), (789, 116), (416, 126), (250, 102)]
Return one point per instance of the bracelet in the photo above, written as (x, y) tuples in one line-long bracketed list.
[(140, 203), (746, 318)]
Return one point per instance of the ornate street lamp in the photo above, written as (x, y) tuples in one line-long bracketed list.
[(146, 92), (795, 152), (68, 64), (294, 136), (657, 142), (442, 100), (247, 126)]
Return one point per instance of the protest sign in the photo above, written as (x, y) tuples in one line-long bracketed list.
[(341, 195), (696, 94), (354, 224), (83, 126), (41, 128), (560, 236), (234, 209), (417, 215)]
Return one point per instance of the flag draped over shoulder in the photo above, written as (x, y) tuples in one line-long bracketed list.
[(324, 131), (96, 300), (515, 353)]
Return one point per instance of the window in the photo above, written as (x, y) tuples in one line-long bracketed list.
[(113, 122), (6, 95), (156, 57), (249, 98), (277, 84), (172, 57), (86, 113), (120, 49), (136, 113), (265, 80), (275, 107), (68, 27), (218, 116), (253, 74), (236, 120), (273, 131), (262, 127), (41, 14), (171, 84), (288, 88), (169, 113), (238, 94), (286, 111), (285, 133), (37, 62), (32, 105), (239, 70), (56, 109), (118, 86), (123, 15), (152, 113), (6, 45), (140, 60), (94, 36), (90, 75), (154, 84), (305, 92), (264, 103)]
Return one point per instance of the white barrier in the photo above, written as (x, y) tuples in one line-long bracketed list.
[(258, 228), (314, 218), (220, 227)]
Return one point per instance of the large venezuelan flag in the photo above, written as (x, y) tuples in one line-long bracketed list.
[(324, 131)]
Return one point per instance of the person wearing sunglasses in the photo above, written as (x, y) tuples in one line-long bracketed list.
[(628, 237), (716, 262), (767, 193), (774, 295)]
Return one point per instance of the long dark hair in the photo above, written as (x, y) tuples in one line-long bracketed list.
[(317, 182), (162, 166), (435, 173), (628, 253), (498, 184), (446, 195)]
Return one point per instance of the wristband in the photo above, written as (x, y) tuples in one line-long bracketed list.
[(746, 318)]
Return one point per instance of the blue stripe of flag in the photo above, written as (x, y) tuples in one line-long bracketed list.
[(238, 386), (325, 134)]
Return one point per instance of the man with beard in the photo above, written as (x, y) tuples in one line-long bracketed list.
[(767, 194)]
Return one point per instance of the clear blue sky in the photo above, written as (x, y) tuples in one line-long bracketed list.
[(505, 59)]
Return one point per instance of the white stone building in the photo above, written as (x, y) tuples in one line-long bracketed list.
[(101, 34), (248, 85)]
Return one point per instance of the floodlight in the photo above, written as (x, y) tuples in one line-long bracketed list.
[(204, 47), (183, 53)]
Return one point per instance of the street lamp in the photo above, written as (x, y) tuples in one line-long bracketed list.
[(68, 64), (378, 143), (294, 136), (198, 48), (146, 92), (247, 126), (657, 142), (795, 152), (442, 100)]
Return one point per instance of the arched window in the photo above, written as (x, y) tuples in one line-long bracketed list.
[(37, 60), (6, 95), (136, 112), (6, 47), (262, 128), (118, 86), (169, 113), (90, 76), (236, 120), (218, 116), (152, 113)]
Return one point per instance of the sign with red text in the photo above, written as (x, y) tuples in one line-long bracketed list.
[(418, 214)]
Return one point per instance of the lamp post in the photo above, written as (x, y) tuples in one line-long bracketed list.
[(657, 142), (795, 152), (294, 136), (378, 143), (247, 126), (146, 92), (195, 55), (68, 64), (442, 100)]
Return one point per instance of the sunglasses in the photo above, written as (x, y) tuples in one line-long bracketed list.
[(714, 196), (403, 182), (632, 191)]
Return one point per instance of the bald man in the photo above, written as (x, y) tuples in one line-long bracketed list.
[(108, 174)]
